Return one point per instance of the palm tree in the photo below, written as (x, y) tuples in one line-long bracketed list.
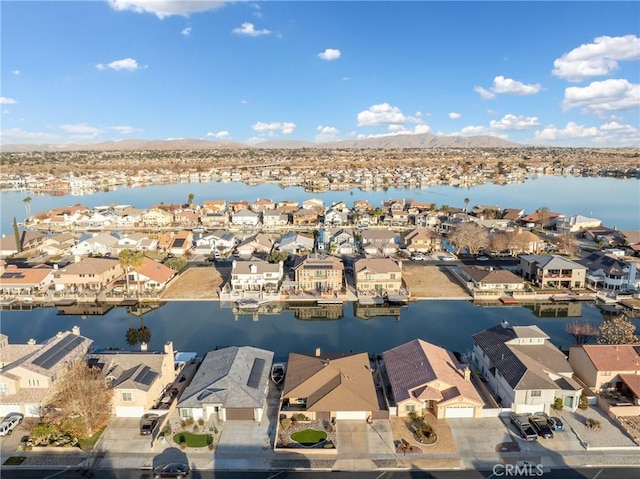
[(466, 203), (27, 205), (130, 261), (190, 199)]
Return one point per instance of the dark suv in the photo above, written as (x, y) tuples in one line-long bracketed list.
[(148, 424), (521, 422), (541, 426)]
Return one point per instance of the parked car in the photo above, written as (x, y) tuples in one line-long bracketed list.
[(521, 422), (173, 469), (482, 258), (148, 423), (555, 424), (9, 423), (540, 425), (418, 257)]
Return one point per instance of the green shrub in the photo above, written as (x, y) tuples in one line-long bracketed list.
[(201, 422), (412, 415), (182, 439), (593, 424), (583, 403), (299, 417), (557, 404), (286, 423), (189, 421)]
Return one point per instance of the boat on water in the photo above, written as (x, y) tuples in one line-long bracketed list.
[(248, 304), (277, 372)]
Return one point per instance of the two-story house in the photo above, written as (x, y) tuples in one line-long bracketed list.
[(611, 271), (245, 219), (256, 276), (422, 240), (88, 274), (606, 367), (319, 273), (382, 275), (552, 271)]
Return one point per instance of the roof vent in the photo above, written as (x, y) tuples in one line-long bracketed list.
[(505, 324)]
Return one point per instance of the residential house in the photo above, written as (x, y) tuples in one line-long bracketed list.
[(397, 218), (421, 206), (552, 271), (363, 205), (218, 242), (256, 276), (138, 378), (156, 217), (379, 242), (288, 207), (336, 217), (294, 243), (100, 244), (261, 205), (517, 241), (151, 276), (215, 206), (540, 219), (607, 367), (423, 376), (97, 220), (426, 219), (382, 275), (256, 244), (24, 281), (61, 218), (274, 219), (135, 242), (422, 240), (214, 219), (611, 271), (230, 384), (88, 274), (512, 214), (319, 273), (245, 219), (314, 204), (525, 371), (235, 206), (491, 279), (486, 212), (29, 241), (181, 242), (337, 241), (187, 218), (27, 371), (631, 240), (306, 217), (576, 223), (59, 244), (127, 217), (329, 387)]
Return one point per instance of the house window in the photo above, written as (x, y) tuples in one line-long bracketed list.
[(409, 408), (185, 412), (4, 389), (536, 394), (127, 397), (606, 373)]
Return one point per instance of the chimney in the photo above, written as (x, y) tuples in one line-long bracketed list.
[(467, 374), (59, 334), (55, 266), (168, 348), (76, 330), (143, 346), (31, 342), (317, 352)]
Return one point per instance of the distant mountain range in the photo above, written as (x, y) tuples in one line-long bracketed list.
[(423, 140)]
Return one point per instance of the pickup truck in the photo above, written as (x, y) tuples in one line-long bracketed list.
[(521, 422)]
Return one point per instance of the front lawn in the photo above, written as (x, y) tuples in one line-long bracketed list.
[(87, 443), (309, 437), (193, 440)]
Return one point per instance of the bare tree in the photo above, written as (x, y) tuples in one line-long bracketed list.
[(568, 244), (618, 330), (79, 403), (499, 241), (471, 236), (543, 216), (581, 331)]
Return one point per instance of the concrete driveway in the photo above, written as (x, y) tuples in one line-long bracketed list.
[(123, 435), (360, 442)]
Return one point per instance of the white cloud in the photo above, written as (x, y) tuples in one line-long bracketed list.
[(484, 93), (285, 128), (249, 29), (16, 134), (512, 122), (601, 96), (502, 85), (80, 129), (327, 133), (7, 101), (125, 64), (221, 135), (454, 115), (329, 54), (124, 129), (612, 133), (15, 72), (186, 32), (597, 58), (244, 102), (166, 8), (346, 78), (384, 114)]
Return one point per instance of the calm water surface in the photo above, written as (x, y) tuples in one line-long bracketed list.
[(203, 326)]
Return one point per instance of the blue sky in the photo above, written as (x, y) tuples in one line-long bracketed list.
[(546, 73)]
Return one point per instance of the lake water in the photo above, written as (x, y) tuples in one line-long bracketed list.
[(203, 326), (615, 201)]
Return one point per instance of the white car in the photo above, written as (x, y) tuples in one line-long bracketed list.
[(418, 257), (482, 258), (9, 423)]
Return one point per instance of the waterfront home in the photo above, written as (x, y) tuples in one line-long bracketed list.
[(288, 206), (256, 244), (337, 241), (491, 280), (100, 244), (314, 204), (319, 273), (62, 214), (150, 276), (575, 223), (379, 242), (245, 219), (27, 371), (486, 212), (214, 206), (58, 245), (136, 242), (235, 206), (525, 371), (540, 219), (608, 236), (423, 376), (611, 271), (294, 243), (631, 240), (20, 281), (215, 219), (422, 240), (186, 218), (97, 220), (336, 217), (156, 217), (274, 219), (256, 276), (306, 217), (397, 218), (552, 271), (29, 241), (230, 384), (515, 241), (88, 274), (127, 217), (219, 242), (180, 243), (138, 378), (512, 214), (420, 206), (607, 367), (380, 275), (329, 386), (261, 205), (426, 219)]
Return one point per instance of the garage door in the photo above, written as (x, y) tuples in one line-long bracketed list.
[(458, 411), (351, 415), (239, 414), (129, 411)]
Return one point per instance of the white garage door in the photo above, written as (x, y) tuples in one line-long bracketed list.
[(458, 411), (351, 415), (129, 411)]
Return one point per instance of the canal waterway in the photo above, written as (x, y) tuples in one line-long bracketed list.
[(204, 326)]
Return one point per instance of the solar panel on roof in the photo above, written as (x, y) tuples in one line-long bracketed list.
[(54, 354), (178, 242), (12, 275), (145, 376), (318, 266), (256, 373)]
